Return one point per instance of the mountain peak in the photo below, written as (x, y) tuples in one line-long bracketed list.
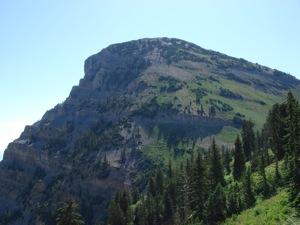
[(140, 104)]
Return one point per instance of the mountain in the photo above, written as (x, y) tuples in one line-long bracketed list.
[(140, 104)]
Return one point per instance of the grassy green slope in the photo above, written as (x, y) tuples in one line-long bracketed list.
[(271, 211), (186, 81), (254, 104)]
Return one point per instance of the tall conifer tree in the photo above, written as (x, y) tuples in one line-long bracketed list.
[(249, 198), (216, 208), (293, 149), (233, 199), (216, 170), (275, 129), (115, 214), (248, 138), (199, 191), (159, 179), (183, 188), (239, 159), (67, 214)]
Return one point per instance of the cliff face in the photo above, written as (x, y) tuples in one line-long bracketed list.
[(139, 104)]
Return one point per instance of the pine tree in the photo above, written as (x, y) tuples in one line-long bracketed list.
[(233, 206), (249, 198), (115, 214), (216, 170), (248, 138), (227, 160), (183, 188), (125, 202), (159, 180), (159, 208), (135, 195), (141, 213), (277, 129), (292, 148), (199, 187), (169, 200), (216, 207), (150, 209), (67, 214), (239, 160)]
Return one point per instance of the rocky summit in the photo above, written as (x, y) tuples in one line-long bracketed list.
[(140, 104)]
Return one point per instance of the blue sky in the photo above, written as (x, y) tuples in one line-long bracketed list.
[(43, 44)]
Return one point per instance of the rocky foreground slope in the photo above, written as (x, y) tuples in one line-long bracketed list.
[(140, 104)]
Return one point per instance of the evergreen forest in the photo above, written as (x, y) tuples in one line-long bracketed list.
[(214, 186)]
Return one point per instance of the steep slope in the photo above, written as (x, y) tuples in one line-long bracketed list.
[(139, 104), (275, 210)]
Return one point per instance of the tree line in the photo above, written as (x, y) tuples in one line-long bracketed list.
[(218, 183), (215, 184)]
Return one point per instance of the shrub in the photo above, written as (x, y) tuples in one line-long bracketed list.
[(230, 94)]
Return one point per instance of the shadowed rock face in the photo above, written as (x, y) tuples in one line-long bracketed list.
[(133, 96)]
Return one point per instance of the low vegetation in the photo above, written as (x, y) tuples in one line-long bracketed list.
[(273, 211)]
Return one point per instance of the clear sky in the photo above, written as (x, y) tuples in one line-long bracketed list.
[(43, 44)]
